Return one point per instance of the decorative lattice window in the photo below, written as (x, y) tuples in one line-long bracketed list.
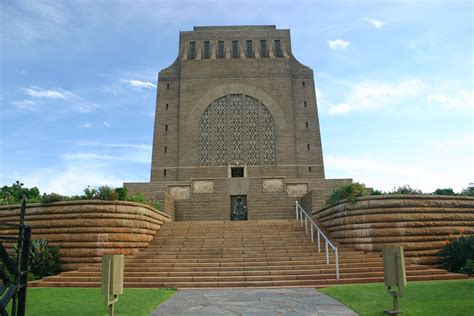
[(207, 50), (220, 49), (236, 127), (235, 49), (192, 50), (263, 49), (249, 49), (277, 49)]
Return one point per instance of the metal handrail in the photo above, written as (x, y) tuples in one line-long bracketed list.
[(300, 213)]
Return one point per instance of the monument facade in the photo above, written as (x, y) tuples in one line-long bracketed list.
[(236, 122)]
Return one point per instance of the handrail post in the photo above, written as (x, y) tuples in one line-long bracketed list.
[(301, 217), (312, 234), (306, 224), (296, 210), (337, 263), (327, 253), (319, 242)]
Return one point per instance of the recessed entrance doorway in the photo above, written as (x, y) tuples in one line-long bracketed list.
[(238, 207)]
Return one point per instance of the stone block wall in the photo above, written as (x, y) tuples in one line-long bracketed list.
[(419, 223), (85, 230)]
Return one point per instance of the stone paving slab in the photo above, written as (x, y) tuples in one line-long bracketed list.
[(261, 302)]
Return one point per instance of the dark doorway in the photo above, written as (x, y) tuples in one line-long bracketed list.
[(237, 172), (238, 207)]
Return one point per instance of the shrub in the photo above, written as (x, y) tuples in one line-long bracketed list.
[(91, 193), (139, 198), (468, 267), (406, 189), (457, 252), (346, 191), (447, 191), (122, 193), (14, 194), (106, 193), (52, 197), (43, 259), (155, 204), (377, 192), (469, 191)]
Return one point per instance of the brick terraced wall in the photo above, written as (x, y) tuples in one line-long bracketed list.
[(421, 224), (84, 230)]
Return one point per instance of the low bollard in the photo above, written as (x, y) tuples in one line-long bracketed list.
[(112, 279), (394, 275)]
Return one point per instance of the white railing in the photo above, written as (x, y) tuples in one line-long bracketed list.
[(304, 218)]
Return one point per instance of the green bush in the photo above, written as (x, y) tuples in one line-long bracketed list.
[(14, 194), (457, 252), (106, 193), (447, 191), (122, 193), (43, 259), (469, 191), (91, 193), (406, 189), (346, 191), (52, 197), (468, 267), (138, 198)]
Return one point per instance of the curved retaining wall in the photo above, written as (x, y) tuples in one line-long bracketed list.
[(84, 230), (421, 224)]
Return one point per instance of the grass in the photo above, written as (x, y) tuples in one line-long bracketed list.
[(454, 298), (90, 302)]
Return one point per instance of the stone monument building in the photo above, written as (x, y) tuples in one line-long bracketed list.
[(236, 123)]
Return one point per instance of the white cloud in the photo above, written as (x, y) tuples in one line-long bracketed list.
[(50, 96), (463, 99), (97, 144), (107, 124), (340, 108), (338, 44), (373, 94), (36, 92), (376, 23), (137, 156), (419, 174), (139, 84), (70, 180), (26, 105), (86, 125)]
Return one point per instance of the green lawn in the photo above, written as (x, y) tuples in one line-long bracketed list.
[(90, 302), (454, 298)]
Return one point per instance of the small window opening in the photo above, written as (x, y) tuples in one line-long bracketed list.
[(207, 50), (263, 49), (305, 104), (249, 49), (277, 49), (166, 149), (309, 169), (303, 84), (235, 49), (164, 172), (167, 106), (192, 50), (307, 124), (307, 146), (167, 86), (220, 49), (237, 172), (166, 127)]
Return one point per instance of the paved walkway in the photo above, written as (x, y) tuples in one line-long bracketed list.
[(293, 301)]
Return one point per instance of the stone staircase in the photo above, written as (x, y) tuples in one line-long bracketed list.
[(260, 253)]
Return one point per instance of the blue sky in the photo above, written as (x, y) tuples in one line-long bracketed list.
[(394, 81)]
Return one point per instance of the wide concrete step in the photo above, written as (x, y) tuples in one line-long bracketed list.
[(240, 254)]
